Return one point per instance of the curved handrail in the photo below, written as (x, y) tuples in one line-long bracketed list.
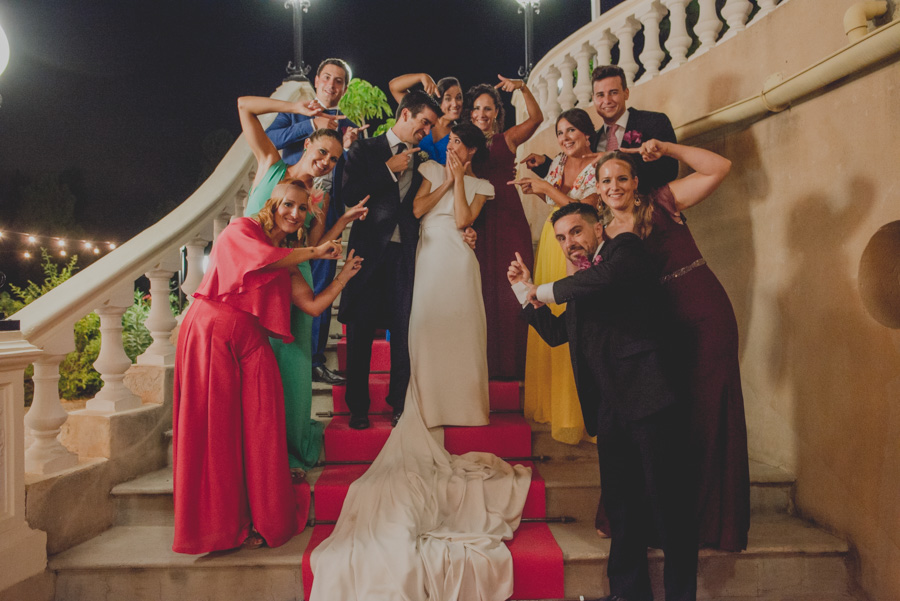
[(87, 289)]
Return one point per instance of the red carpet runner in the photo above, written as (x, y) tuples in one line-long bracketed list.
[(537, 559)]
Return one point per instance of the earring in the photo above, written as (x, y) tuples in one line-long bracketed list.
[(637, 201)]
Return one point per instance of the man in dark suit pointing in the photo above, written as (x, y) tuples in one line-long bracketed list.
[(380, 296), (614, 324)]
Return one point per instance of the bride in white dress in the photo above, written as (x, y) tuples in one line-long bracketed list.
[(421, 523)]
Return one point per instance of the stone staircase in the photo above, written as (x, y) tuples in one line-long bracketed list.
[(788, 559)]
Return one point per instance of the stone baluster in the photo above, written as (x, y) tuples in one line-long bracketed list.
[(735, 14), (603, 44), (220, 223), (583, 84), (708, 25), (678, 41), (553, 109), (765, 7), (23, 552), (112, 362), (567, 96), (46, 454), (195, 251), (160, 321), (625, 32), (652, 55), (240, 202), (540, 92)]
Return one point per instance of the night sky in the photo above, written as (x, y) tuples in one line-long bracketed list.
[(124, 92)]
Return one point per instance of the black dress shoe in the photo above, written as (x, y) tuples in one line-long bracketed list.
[(359, 422), (320, 373), (396, 417)]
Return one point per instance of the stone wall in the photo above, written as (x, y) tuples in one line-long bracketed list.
[(785, 233)]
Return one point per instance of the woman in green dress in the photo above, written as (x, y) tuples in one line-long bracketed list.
[(321, 153)]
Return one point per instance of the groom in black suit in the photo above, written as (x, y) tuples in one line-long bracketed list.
[(385, 168), (614, 323), (631, 127)]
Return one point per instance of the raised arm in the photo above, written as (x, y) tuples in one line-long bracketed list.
[(521, 132), (285, 131), (313, 304), (401, 84), (330, 249), (249, 110), (709, 170)]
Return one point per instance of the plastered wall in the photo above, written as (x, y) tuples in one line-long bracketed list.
[(785, 233)]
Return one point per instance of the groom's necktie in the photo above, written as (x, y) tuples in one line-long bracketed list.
[(404, 178)]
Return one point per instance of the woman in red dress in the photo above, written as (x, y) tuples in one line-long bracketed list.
[(502, 227), (704, 327), (232, 483)]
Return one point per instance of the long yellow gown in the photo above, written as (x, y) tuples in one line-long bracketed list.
[(550, 394)]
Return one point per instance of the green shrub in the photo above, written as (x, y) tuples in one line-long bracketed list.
[(77, 377)]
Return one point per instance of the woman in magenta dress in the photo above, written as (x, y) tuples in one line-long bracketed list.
[(704, 326), (232, 483), (502, 228)]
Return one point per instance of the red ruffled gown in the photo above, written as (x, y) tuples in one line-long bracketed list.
[(502, 231), (230, 463), (707, 340)]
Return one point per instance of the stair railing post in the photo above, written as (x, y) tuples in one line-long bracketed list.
[(625, 32), (735, 13), (23, 553), (160, 321), (679, 40), (583, 84), (553, 109), (195, 251), (652, 55), (46, 454), (708, 25), (603, 45), (112, 361), (567, 96)]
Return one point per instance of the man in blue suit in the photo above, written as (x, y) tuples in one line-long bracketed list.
[(288, 132)]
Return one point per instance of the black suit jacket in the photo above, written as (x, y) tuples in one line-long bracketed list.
[(613, 324), (364, 174), (650, 126)]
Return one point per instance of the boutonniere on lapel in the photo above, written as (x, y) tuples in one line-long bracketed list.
[(632, 137), (423, 156)]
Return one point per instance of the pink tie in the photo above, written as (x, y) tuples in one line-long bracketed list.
[(612, 143)]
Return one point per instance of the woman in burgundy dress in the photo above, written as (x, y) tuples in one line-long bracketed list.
[(502, 228), (232, 483), (704, 326)]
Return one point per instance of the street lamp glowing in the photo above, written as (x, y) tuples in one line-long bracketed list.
[(4, 50), (297, 69)]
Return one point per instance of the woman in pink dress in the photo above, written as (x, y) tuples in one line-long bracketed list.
[(502, 227), (232, 483)]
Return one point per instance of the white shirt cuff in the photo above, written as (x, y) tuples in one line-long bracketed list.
[(521, 291), (393, 177), (544, 294)]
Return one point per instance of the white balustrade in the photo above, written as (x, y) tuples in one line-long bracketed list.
[(160, 321), (46, 416), (552, 110), (678, 41), (112, 362), (708, 25), (652, 55), (240, 202), (625, 32), (220, 223), (567, 96), (735, 13), (603, 44), (583, 83), (195, 250), (619, 26)]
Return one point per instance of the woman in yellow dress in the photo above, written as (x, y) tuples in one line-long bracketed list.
[(550, 395)]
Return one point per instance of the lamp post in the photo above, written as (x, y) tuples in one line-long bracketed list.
[(296, 69), (530, 8), (4, 54)]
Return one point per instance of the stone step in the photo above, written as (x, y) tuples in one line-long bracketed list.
[(572, 489), (787, 559)]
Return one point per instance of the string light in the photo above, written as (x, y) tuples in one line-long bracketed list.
[(62, 253), (58, 244)]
